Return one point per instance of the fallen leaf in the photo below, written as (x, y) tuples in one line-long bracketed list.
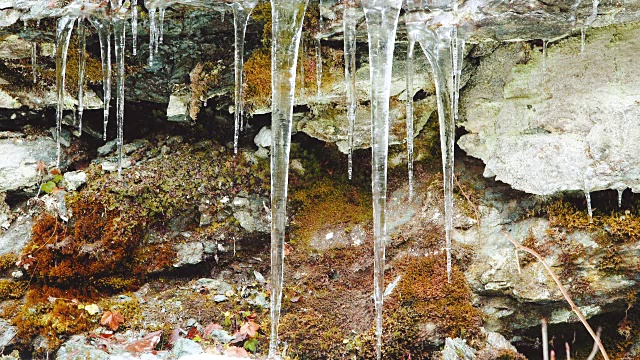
[(234, 351), (192, 333), (249, 328), (147, 343), (112, 319)]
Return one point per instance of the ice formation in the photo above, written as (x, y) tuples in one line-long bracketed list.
[(350, 21), (241, 12), (82, 61), (63, 35), (382, 21), (287, 16)]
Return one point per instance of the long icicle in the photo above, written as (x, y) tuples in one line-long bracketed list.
[(437, 51), (103, 27), (63, 35), (160, 28), (152, 33), (134, 26), (241, 12), (350, 21), (287, 16), (409, 105), (382, 21), (119, 40), (34, 61), (82, 61), (318, 46)]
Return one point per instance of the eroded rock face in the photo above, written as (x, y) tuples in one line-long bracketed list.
[(18, 164), (573, 125)]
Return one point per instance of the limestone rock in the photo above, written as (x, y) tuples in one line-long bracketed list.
[(18, 164), (183, 347), (74, 179), (251, 214), (76, 348), (7, 333), (189, 254), (573, 135)]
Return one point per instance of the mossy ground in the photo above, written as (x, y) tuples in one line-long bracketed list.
[(104, 249)]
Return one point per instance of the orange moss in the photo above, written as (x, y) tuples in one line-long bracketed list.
[(99, 243), (53, 314), (257, 72)]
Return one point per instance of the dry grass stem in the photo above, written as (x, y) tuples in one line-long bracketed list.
[(575, 308)]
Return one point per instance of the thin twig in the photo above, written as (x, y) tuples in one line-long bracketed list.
[(564, 292), (595, 345)]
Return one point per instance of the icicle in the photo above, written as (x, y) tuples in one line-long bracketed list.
[(82, 60), (134, 26), (119, 41), (241, 12), (320, 17), (287, 17), (222, 16), (24, 25), (544, 56), (152, 34), (620, 192), (316, 42), (409, 91), (594, 13), (437, 52), (350, 21), (63, 35), (303, 54), (34, 62), (103, 28), (583, 40), (589, 210), (160, 28), (382, 20)]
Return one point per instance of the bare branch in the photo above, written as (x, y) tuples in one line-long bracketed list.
[(564, 292)]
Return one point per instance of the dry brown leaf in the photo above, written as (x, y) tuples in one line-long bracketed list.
[(112, 319), (147, 343), (235, 351), (250, 329)]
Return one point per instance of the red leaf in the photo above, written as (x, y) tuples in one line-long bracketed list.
[(192, 333), (147, 343), (112, 319)]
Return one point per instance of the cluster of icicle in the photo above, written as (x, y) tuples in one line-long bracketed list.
[(109, 20), (442, 45), (444, 49), (437, 27)]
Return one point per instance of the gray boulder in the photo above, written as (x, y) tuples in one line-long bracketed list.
[(572, 135), (18, 164)]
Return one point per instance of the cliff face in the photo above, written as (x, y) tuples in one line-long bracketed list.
[(545, 116)]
